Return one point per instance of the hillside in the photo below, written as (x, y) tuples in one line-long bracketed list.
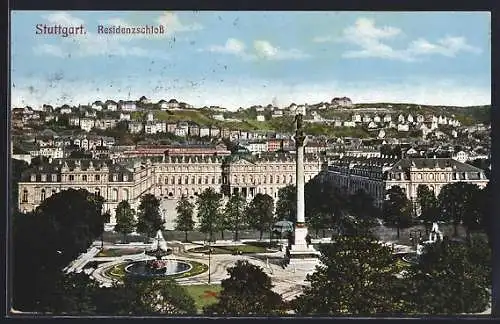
[(245, 119), (466, 115)]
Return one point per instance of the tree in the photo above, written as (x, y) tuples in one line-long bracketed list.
[(487, 214), (260, 212), (17, 169), (246, 292), (234, 212), (320, 205), (363, 274), (144, 297), (184, 221), (456, 201), (473, 214), (361, 204), (149, 219), (397, 208), (286, 206), (47, 240), (428, 203), (73, 294), (209, 210), (125, 219), (447, 281)]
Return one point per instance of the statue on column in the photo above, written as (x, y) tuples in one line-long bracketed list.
[(299, 133)]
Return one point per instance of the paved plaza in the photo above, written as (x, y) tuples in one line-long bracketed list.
[(287, 281)]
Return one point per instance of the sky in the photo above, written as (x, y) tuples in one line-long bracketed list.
[(239, 59)]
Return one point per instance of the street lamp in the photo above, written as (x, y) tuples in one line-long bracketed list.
[(415, 236), (209, 262), (164, 212)]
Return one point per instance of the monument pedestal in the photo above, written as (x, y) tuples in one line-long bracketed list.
[(303, 257)]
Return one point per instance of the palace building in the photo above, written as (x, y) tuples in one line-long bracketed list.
[(376, 175), (168, 177)]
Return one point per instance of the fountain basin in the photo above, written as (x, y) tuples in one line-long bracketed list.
[(172, 267), (411, 258)]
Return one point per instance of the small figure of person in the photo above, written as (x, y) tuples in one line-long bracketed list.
[(308, 240)]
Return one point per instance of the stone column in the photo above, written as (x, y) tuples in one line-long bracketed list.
[(299, 175), (300, 234)]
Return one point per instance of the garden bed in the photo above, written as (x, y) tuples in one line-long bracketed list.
[(230, 249), (116, 252)]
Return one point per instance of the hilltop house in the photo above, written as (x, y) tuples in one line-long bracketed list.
[(342, 102), (173, 104), (163, 104), (128, 106), (111, 105)]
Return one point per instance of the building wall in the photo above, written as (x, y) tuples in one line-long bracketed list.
[(376, 180), (168, 179)]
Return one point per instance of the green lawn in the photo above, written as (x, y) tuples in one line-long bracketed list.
[(230, 249), (118, 252), (203, 294), (401, 265), (177, 115)]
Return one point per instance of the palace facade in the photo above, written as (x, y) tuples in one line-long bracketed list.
[(169, 177), (376, 175)]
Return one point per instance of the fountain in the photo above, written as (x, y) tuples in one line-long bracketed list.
[(157, 266)]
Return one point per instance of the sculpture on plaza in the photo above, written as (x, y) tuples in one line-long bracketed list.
[(434, 236), (158, 249)]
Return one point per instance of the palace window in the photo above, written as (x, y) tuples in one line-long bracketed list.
[(186, 180), (71, 177), (115, 177), (199, 180), (44, 177), (84, 177), (219, 180), (192, 180), (206, 180), (179, 180), (97, 191), (97, 177), (114, 194), (213, 180), (42, 195), (25, 196), (54, 178)]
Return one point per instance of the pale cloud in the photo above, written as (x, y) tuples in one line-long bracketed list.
[(173, 24), (93, 44), (49, 49), (448, 46), (232, 46), (264, 49), (374, 41), (63, 18)]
